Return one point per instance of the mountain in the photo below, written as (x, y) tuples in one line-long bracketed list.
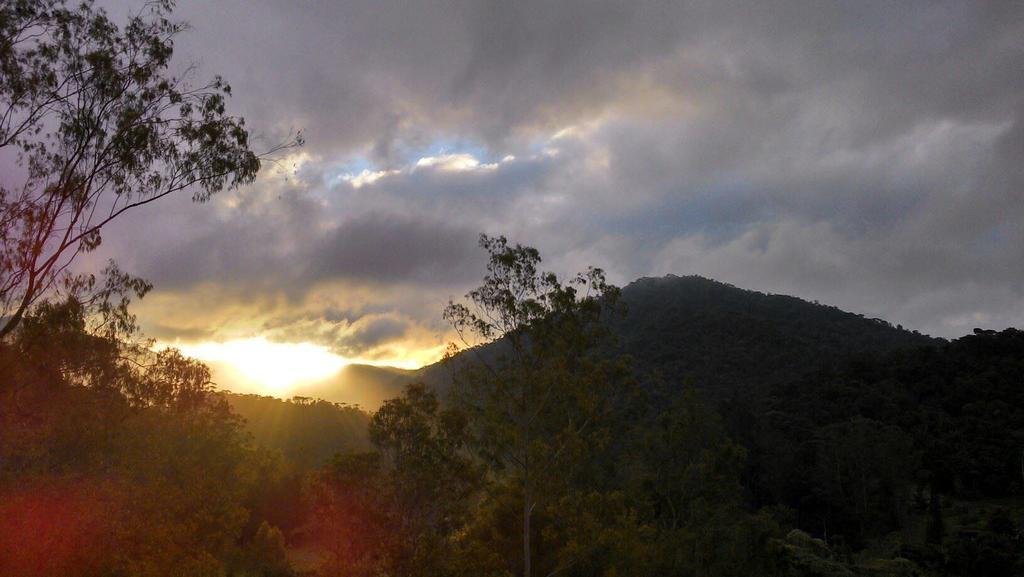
[(727, 340), (366, 386), (307, 432)]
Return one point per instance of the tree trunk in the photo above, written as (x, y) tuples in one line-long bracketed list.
[(16, 318)]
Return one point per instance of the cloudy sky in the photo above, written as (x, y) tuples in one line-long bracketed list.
[(868, 155)]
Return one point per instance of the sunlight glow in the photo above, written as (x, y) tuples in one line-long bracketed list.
[(366, 177), (453, 163), (273, 367)]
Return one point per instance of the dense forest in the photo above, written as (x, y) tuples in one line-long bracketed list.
[(676, 427)]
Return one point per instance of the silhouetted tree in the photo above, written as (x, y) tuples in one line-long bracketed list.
[(432, 480), (533, 404), (116, 460)]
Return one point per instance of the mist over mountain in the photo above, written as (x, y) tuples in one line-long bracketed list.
[(366, 386)]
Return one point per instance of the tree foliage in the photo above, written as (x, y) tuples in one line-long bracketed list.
[(535, 405), (114, 459), (397, 510)]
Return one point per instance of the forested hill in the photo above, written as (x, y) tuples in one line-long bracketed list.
[(366, 386), (727, 339), (916, 453), (308, 432)]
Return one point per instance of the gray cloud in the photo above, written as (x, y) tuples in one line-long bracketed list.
[(393, 249), (865, 154), (355, 334), (290, 243)]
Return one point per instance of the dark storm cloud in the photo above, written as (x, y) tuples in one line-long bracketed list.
[(380, 248), (353, 334), (865, 154), (355, 73), (380, 330), (367, 72), (288, 246)]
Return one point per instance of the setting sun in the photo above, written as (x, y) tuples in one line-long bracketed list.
[(272, 368)]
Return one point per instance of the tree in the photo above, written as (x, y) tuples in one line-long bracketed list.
[(534, 399), (684, 476), (349, 514), (431, 480), (864, 473), (397, 510), (97, 127), (117, 459)]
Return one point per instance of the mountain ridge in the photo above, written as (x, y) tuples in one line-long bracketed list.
[(723, 338), (728, 339)]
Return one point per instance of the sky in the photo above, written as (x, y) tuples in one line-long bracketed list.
[(867, 155)]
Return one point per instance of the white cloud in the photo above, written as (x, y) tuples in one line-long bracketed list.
[(366, 176)]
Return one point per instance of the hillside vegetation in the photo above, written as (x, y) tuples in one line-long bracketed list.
[(307, 431), (730, 340)]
